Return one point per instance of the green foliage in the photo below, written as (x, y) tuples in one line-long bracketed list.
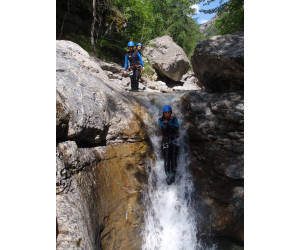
[(209, 32), (81, 40), (230, 15), (180, 25), (151, 44), (119, 21), (148, 72)]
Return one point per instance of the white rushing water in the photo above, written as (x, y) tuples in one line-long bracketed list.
[(169, 219)]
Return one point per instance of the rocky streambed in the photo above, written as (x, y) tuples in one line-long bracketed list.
[(104, 155)]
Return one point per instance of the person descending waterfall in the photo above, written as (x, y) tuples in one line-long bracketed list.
[(135, 61), (169, 126)]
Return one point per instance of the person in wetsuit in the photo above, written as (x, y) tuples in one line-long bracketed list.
[(169, 126), (138, 48), (135, 60)]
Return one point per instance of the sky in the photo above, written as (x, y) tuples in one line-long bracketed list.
[(201, 17)]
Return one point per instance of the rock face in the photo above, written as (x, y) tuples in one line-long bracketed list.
[(216, 132), (167, 58), (216, 135), (208, 29), (101, 156), (90, 105), (218, 62), (203, 27)]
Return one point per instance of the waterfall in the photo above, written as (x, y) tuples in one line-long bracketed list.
[(170, 222)]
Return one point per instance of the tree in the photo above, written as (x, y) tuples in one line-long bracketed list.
[(104, 27), (230, 15)]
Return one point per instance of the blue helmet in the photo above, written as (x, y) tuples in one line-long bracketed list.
[(130, 44), (139, 44), (167, 108)]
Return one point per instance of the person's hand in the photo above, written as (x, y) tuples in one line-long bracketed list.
[(143, 68), (165, 121), (125, 72)]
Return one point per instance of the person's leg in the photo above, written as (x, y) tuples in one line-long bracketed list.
[(165, 150), (134, 78), (132, 81), (169, 178), (137, 78), (174, 154), (175, 150)]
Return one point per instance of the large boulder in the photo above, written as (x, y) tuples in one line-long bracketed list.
[(216, 133), (96, 111), (218, 62), (101, 156), (167, 58)]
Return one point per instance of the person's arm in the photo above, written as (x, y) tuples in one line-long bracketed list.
[(140, 58), (173, 123), (161, 124), (126, 64)]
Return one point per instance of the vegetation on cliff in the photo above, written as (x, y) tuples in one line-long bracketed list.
[(104, 27), (230, 15)]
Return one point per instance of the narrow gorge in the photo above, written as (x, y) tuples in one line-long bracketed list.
[(110, 185)]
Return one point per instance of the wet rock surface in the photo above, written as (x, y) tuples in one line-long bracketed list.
[(218, 62), (216, 134), (101, 156), (102, 152)]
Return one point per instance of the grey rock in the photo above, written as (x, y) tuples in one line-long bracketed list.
[(216, 133), (112, 67), (93, 113), (206, 25), (218, 62), (167, 58), (97, 109), (189, 83), (72, 51)]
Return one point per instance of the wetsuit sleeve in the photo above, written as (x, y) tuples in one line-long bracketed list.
[(174, 123), (126, 62), (161, 124), (140, 57)]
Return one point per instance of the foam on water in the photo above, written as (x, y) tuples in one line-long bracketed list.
[(169, 218)]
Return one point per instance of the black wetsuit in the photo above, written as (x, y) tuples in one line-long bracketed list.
[(169, 145), (135, 65)]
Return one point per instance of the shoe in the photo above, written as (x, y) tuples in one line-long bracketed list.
[(169, 178), (173, 178), (169, 182)]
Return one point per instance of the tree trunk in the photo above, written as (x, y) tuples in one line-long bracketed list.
[(93, 27)]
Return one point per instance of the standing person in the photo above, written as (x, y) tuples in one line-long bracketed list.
[(135, 61), (139, 48), (169, 126)]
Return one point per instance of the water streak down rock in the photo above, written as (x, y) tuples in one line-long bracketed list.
[(101, 156)]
